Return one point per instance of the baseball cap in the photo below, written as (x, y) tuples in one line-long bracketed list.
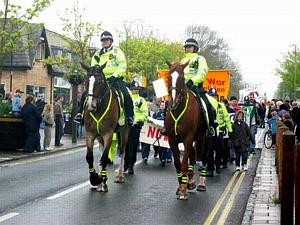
[(19, 91)]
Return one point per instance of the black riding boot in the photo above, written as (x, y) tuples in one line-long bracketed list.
[(79, 116), (164, 130), (128, 104)]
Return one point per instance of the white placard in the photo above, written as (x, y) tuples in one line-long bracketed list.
[(160, 88), (150, 134)]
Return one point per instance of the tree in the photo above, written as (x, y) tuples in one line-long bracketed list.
[(78, 36), (145, 53), (15, 26), (288, 71), (215, 50)]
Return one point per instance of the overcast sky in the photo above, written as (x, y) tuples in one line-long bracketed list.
[(258, 31)]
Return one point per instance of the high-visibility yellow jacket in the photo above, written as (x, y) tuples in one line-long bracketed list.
[(223, 118), (140, 108), (115, 61), (197, 68)]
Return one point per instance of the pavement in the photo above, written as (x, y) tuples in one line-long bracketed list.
[(7, 156), (261, 207)]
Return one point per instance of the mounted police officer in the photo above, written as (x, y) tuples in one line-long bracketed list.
[(195, 73), (224, 123), (140, 115), (114, 72)]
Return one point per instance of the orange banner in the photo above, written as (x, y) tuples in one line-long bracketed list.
[(220, 80)]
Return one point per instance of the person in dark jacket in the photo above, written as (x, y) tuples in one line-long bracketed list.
[(240, 139), (32, 118)]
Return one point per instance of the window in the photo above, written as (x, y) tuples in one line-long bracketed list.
[(37, 91), (61, 82), (40, 51), (57, 51)]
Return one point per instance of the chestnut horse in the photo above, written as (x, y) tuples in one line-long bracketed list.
[(101, 115), (185, 123)]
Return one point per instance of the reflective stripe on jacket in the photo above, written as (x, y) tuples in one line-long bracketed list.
[(197, 68), (115, 62), (140, 108)]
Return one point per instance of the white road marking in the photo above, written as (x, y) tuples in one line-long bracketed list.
[(68, 191), (8, 216)]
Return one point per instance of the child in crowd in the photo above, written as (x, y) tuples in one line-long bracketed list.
[(273, 124), (240, 139), (49, 122)]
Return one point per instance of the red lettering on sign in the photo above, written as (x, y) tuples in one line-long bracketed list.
[(166, 138), (151, 132), (211, 81)]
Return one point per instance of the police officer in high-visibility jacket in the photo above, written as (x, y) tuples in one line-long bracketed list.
[(195, 73), (140, 116), (114, 71), (214, 161)]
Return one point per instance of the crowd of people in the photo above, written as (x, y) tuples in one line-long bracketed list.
[(232, 138)]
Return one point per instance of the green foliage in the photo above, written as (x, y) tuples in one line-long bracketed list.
[(5, 107), (14, 27), (289, 72), (78, 35)]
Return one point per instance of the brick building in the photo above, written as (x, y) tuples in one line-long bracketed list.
[(24, 69)]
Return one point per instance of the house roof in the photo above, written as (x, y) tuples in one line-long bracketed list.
[(24, 58)]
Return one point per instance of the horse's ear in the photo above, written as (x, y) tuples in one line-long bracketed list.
[(184, 65), (168, 63), (87, 68), (103, 66)]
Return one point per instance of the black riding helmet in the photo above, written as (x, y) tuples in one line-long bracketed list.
[(134, 85), (106, 35), (212, 92), (191, 42)]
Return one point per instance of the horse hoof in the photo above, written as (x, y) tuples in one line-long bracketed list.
[(201, 188), (95, 179), (99, 188), (182, 196), (119, 179), (191, 185), (177, 191), (104, 188)]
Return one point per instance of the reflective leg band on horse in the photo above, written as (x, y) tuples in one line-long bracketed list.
[(92, 170), (202, 172), (183, 179), (179, 176), (104, 174)]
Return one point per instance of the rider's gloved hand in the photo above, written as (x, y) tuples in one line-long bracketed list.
[(111, 79), (189, 84)]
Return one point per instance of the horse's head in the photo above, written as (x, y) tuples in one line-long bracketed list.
[(176, 84), (96, 85)]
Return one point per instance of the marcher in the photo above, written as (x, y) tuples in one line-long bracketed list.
[(162, 152), (273, 124), (233, 105), (49, 122), (240, 139), (114, 71), (32, 119), (17, 103), (8, 97), (254, 120), (140, 115), (59, 121), (214, 161)]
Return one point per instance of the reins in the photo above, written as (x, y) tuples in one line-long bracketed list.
[(180, 115), (98, 121)]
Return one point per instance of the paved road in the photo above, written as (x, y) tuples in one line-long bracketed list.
[(54, 190)]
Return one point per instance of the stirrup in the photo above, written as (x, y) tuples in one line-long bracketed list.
[(210, 132), (78, 118)]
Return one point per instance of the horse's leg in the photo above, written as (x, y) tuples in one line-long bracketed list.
[(124, 132), (94, 177), (191, 182), (107, 140), (202, 152), (181, 191)]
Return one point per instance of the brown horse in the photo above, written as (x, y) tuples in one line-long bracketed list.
[(101, 117), (185, 124)]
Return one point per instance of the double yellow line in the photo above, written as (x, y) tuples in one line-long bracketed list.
[(230, 201)]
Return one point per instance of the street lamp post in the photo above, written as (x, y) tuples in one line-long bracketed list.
[(295, 74)]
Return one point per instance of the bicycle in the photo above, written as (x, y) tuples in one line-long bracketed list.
[(268, 140)]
